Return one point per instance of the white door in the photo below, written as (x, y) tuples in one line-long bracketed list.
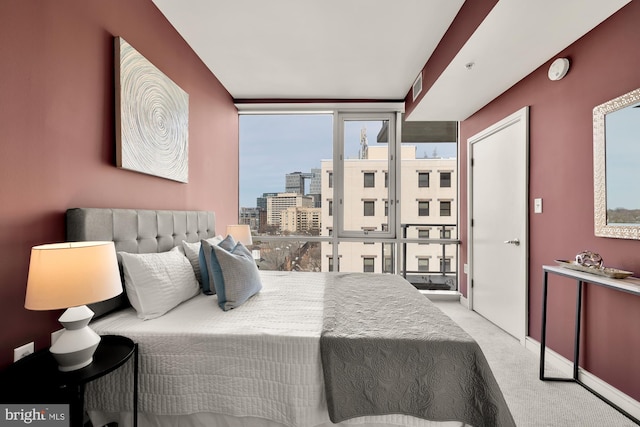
[(498, 213)]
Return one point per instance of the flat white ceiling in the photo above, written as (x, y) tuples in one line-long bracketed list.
[(374, 49)]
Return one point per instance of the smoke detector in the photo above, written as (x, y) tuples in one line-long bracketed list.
[(558, 69)]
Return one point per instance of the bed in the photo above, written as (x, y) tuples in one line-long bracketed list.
[(308, 349)]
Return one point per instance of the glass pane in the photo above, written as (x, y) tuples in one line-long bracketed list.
[(445, 179), (369, 179), (366, 168), (368, 257), (369, 209), (445, 208), (388, 254), (423, 266), (429, 204), (285, 173), (287, 255), (423, 179), (423, 208)]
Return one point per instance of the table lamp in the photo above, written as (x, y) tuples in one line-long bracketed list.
[(241, 233), (70, 275)]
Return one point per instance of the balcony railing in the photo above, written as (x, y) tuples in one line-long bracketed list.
[(314, 253), (442, 276)]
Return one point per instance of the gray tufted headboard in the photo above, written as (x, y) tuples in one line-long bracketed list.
[(137, 231)]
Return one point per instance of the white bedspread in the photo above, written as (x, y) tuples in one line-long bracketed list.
[(260, 360)]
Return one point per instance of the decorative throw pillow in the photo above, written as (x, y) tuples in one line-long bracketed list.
[(158, 282), (206, 268), (240, 276), (192, 252)]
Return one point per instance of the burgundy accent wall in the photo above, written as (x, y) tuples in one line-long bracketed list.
[(57, 134), (605, 63)]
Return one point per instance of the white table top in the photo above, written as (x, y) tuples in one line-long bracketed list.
[(630, 284)]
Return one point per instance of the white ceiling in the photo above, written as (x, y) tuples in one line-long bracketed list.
[(374, 49)]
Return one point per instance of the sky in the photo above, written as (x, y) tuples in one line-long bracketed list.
[(272, 146), (622, 141)]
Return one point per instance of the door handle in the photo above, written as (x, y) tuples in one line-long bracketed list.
[(512, 242)]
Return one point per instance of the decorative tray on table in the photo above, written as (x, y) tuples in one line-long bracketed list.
[(613, 273)]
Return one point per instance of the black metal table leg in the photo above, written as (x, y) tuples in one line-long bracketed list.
[(576, 338), (543, 340), (135, 385)]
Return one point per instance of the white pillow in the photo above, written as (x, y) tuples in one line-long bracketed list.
[(192, 252), (158, 282)]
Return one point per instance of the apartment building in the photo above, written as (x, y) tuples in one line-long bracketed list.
[(280, 202), (428, 192), (300, 220)]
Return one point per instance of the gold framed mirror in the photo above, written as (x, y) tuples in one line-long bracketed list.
[(616, 167)]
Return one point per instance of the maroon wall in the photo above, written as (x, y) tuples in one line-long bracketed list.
[(604, 64), (57, 134)]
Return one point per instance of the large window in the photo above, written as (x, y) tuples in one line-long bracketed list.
[(340, 190)]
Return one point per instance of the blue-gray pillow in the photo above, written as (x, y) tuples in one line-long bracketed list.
[(207, 268), (192, 252), (240, 276)]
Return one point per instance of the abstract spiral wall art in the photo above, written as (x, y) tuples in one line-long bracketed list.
[(152, 118)]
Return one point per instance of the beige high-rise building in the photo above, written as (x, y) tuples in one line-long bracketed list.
[(280, 202), (428, 190), (300, 220)]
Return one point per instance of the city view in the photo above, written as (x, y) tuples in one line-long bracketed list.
[(293, 193)]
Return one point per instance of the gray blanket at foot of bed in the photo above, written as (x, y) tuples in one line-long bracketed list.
[(386, 349)]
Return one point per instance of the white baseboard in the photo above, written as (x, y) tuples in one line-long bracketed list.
[(464, 301), (441, 295), (565, 366)]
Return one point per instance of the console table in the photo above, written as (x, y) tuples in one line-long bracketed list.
[(630, 285)]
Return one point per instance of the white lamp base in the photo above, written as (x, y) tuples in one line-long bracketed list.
[(74, 348)]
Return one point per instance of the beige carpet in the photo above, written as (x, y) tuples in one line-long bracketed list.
[(532, 402)]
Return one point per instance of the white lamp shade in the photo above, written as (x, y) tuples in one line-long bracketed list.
[(63, 275), (241, 233)]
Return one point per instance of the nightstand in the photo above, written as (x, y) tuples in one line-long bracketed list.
[(36, 378)]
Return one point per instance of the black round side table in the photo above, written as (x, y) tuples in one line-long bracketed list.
[(36, 378)]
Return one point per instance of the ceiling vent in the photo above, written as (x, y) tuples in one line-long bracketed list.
[(417, 86)]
